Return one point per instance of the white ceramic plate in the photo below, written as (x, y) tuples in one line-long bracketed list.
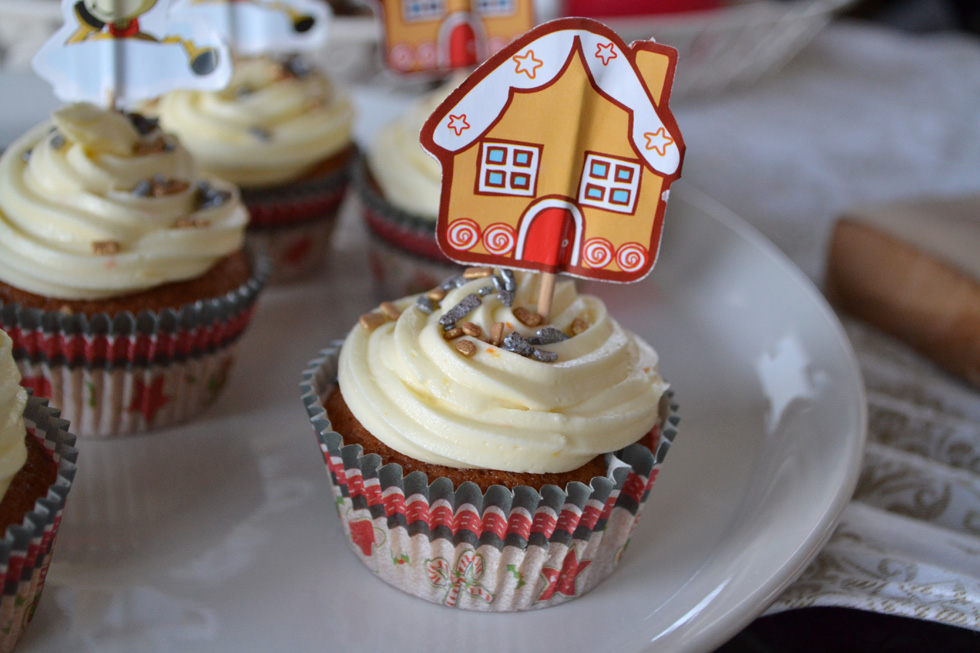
[(221, 535)]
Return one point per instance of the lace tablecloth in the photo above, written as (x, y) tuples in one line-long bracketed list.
[(866, 115)]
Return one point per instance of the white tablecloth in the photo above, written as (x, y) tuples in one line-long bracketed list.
[(865, 115)]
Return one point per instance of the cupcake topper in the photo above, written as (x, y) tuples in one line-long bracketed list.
[(439, 36), (254, 27), (128, 51), (557, 155)]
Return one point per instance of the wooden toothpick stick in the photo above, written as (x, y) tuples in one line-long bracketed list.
[(546, 294)]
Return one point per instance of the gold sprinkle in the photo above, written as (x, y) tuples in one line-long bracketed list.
[(477, 273), (143, 148), (105, 247), (472, 329), (436, 294), (497, 334), (168, 187), (453, 333), (191, 223), (579, 326), (372, 321), (66, 310), (527, 318), (390, 311), (466, 347)]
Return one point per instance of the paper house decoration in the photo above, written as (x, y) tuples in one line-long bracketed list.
[(557, 154), (443, 35)]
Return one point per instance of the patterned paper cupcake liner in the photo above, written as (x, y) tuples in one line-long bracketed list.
[(293, 223), (404, 256), (121, 375), (496, 551), (25, 551)]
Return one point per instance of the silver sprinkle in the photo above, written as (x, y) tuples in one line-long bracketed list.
[(143, 188), (450, 283), (425, 304), (58, 141), (484, 291), (26, 155), (516, 343), (506, 297), (160, 179), (261, 134), (548, 335), (545, 356), (460, 310), (510, 282), (498, 283), (243, 91)]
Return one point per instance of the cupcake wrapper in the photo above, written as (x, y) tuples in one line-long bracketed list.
[(399, 273), (126, 374), (293, 223), (25, 551), (496, 551)]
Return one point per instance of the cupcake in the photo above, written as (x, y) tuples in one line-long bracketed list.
[(399, 186), (123, 279), (281, 131), (482, 460), (37, 465)]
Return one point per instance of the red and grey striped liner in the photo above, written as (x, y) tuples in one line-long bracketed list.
[(25, 551), (404, 256), (293, 223), (126, 374), (500, 550)]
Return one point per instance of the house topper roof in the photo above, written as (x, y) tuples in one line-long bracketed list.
[(539, 62)]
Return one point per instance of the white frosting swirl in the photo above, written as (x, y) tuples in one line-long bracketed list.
[(497, 409), (266, 128), (74, 224), (13, 398), (409, 177)]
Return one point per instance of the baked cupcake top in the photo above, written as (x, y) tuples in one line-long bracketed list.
[(485, 396), (13, 398), (409, 177), (101, 204), (272, 124)]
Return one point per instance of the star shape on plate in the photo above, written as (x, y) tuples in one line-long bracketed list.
[(527, 64)]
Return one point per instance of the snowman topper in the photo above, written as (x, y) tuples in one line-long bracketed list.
[(557, 155), (128, 51), (440, 36), (254, 27)]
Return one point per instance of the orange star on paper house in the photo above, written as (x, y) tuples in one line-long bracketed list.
[(557, 154)]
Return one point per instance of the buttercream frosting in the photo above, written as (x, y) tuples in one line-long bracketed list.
[(273, 123), (91, 206), (408, 176), (13, 398), (414, 391)]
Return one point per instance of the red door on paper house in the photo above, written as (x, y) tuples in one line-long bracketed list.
[(462, 46), (549, 237)]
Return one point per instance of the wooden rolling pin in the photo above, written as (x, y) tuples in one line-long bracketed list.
[(913, 270)]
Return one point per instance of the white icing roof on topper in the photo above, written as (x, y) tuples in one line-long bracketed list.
[(545, 58)]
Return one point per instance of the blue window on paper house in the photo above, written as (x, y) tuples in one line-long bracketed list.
[(508, 168), (609, 183)]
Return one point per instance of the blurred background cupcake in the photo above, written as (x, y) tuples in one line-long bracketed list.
[(281, 131), (398, 185), (37, 466), (123, 278)]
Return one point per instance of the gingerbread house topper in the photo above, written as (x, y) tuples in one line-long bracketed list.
[(129, 51), (254, 27), (439, 36), (557, 154)]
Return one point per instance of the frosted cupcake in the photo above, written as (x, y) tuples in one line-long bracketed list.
[(123, 279), (36, 470), (480, 459), (399, 185), (281, 131)]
